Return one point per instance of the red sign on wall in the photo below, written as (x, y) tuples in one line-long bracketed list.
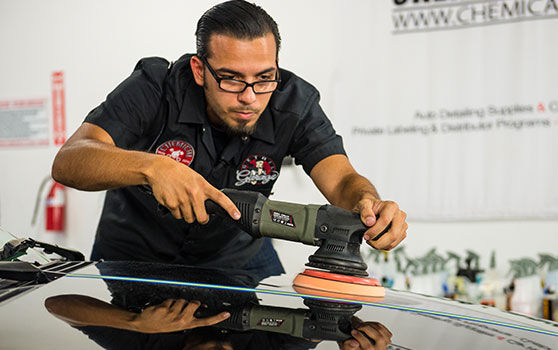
[(58, 108)]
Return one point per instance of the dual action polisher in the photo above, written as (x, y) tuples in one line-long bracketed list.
[(338, 267), (322, 320)]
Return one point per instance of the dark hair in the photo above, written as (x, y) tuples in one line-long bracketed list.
[(237, 18)]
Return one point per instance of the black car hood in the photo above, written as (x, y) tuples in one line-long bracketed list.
[(416, 321)]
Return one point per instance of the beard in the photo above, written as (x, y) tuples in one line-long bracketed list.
[(240, 129), (231, 126)]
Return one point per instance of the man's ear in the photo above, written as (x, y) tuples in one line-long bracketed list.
[(197, 69)]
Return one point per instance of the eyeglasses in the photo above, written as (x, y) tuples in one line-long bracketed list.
[(238, 86)]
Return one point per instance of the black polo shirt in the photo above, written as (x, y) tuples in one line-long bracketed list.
[(130, 227)]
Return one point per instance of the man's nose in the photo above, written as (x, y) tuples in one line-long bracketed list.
[(247, 96)]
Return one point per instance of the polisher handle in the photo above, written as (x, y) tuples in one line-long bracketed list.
[(263, 217), (248, 202)]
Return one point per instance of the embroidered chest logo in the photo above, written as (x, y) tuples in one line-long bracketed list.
[(256, 170), (180, 151)]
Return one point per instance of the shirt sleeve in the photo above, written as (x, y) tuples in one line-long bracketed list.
[(314, 138), (129, 110)]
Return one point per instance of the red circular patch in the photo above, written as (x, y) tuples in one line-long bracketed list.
[(181, 151), (261, 163)]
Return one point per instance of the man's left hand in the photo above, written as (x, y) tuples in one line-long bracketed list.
[(367, 335), (377, 215)]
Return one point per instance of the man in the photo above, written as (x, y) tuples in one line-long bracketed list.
[(223, 118)]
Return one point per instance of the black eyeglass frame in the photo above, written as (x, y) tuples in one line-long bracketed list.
[(246, 84)]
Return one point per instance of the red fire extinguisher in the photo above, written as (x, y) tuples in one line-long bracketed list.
[(55, 206)]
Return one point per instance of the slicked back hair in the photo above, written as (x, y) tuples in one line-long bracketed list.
[(238, 19)]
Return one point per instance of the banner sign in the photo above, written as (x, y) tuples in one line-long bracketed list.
[(455, 124), (411, 16), (23, 123), (58, 109)]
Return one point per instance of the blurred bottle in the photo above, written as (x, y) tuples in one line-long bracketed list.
[(528, 293), (492, 285)]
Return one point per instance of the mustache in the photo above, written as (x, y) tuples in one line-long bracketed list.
[(243, 110)]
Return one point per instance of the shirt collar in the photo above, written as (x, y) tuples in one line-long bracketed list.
[(265, 130), (193, 112), (193, 105)]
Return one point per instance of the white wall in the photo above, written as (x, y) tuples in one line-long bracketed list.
[(97, 43)]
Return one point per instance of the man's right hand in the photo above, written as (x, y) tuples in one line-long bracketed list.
[(90, 161), (172, 315), (184, 192)]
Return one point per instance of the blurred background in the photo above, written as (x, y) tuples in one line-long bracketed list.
[(450, 108)]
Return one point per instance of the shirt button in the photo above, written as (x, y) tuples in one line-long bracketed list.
[(203, 129)]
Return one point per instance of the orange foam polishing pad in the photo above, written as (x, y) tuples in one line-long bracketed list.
[(327, 284)]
